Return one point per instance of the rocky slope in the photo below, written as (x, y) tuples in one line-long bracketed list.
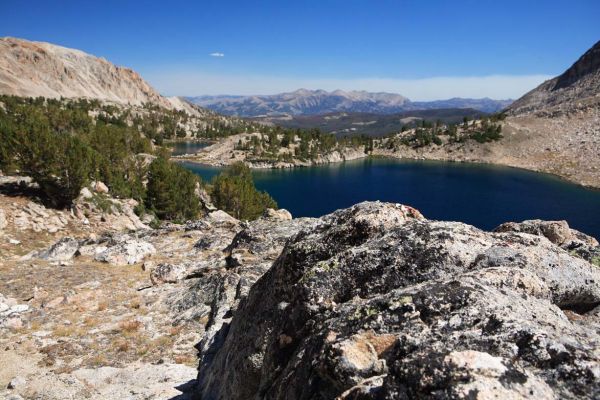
[(94, 307), (576, 89), (370, 302), (34, 69), (377, 302), (314, 102)]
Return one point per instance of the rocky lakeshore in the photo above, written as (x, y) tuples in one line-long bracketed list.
[(567, 146), (374, 301), (225, 152)]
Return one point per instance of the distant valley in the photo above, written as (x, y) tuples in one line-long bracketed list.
[(369, 124)]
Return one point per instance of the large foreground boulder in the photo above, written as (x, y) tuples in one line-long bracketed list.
[(376, 302)]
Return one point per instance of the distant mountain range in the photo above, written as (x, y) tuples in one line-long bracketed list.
[(315, 102)]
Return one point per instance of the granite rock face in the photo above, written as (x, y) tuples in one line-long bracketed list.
[(377, 302)]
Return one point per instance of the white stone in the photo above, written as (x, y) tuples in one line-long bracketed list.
[(86, 193), (3, 221)]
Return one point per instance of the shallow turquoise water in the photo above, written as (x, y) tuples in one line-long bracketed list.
[(481, 195)]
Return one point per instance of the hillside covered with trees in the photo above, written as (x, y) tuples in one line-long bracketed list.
[(63, 145)]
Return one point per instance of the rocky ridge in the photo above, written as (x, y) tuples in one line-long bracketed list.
[(39, 69), (374, 301), (377, 302), (578, 88)]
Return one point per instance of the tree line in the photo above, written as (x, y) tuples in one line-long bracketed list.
[(64, 144)]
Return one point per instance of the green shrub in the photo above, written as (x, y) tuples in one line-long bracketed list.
[(171, 191), (233, 191), (59, 163)]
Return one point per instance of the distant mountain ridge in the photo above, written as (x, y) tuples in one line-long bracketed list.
[(575, 89), (315, 102), (40, 69)]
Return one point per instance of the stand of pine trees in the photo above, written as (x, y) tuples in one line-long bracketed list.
[(234, 192), (62, 148)]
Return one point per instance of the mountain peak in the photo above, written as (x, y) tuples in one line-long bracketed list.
[(34, 69), (576, 88), (588, 63)]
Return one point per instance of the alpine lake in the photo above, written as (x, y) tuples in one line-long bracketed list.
[(478, 194)]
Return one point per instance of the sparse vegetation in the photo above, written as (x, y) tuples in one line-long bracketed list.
[(482, 131)]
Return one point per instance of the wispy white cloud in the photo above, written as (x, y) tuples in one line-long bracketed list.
[(185, 82), (217, 54)]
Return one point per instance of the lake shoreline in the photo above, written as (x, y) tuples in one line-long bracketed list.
[(266, 166), (481, 194)]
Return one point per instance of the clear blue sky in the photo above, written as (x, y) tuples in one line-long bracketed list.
[(269, 46)]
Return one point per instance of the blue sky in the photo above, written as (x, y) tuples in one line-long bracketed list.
[(422, 49)]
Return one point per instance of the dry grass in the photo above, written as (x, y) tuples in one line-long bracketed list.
[(129, 325), (186, 360), (64, 331), (90, 321), (97, 360), (120, 345), (135, 303), (163, 341), (35, 325), (175, 330), (102, 305)]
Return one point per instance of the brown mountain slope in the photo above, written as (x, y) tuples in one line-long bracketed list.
[(33, 69), (576, 89), (554, 128)]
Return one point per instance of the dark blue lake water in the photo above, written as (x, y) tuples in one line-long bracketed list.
[(180, 148), (481, 195)]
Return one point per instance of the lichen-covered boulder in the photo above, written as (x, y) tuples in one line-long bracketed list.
[(130, 251), (64, 249), (376, 302)]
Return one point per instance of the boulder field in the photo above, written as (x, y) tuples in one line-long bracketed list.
[(376, 302)]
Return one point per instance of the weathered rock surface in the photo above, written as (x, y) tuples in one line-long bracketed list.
[(376, 302), (10, 312), (62, 250), (559, 233), (226, 267), (129, 251), (3, 222)]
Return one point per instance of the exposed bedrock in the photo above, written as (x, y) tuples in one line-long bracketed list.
[(376, 302)]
